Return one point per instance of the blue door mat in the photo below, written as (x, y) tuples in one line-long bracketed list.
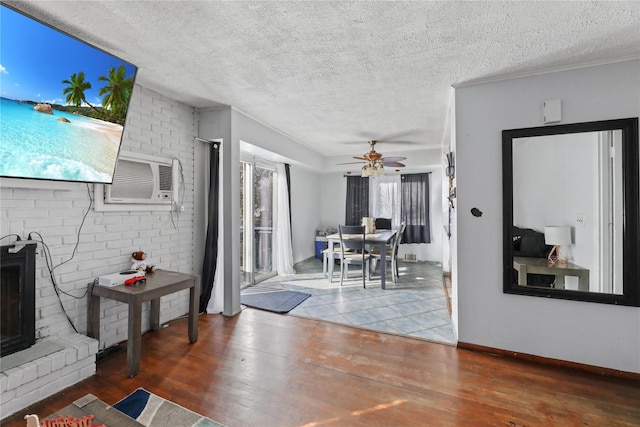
[(278, 302)]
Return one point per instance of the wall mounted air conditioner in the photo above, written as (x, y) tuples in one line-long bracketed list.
[(143, 181), (139, 180)]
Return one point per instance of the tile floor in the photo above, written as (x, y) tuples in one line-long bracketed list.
[(415, 306)]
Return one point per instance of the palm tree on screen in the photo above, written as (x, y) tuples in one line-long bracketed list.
[(75, 90), (117, 92)]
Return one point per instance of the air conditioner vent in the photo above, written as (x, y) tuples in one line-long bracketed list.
[(132, 180), (410, 257), (166, 177)]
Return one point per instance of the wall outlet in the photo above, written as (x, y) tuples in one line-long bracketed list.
[(580, 220)]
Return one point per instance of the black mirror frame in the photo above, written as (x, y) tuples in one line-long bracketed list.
[(631, 227)]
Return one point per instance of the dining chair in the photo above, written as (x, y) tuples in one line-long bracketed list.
[(383, 223), (353, 251), (391, 254), (337, 254)]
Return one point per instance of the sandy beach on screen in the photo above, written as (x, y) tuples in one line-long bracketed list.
[(112, 130)]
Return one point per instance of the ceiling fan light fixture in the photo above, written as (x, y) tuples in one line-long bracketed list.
[(373, 168), (378, 169), (374, 162)]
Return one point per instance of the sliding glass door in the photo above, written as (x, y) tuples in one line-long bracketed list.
[(257, 219)]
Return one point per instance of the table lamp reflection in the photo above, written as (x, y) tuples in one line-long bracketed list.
[(557, 236)]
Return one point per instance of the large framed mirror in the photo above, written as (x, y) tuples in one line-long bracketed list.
[(570, 213)]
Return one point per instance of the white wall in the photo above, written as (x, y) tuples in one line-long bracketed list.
[(304, 183), (237, 129), (588, 333), (158, 126), (305, 211), (333, 194)]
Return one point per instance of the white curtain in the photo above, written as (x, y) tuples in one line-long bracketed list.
[(283, 225), (216, 302), (384, 198)]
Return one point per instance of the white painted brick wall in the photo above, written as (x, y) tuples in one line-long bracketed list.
[(158, 126), (33, 381)]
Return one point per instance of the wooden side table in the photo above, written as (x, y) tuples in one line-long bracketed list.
[(526, 265), (158, 284)]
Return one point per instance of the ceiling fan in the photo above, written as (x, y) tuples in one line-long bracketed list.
[(374, 162)]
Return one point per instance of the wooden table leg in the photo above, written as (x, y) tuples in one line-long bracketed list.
[(134, 338), (583, 281), (383, 264), (154, 313), (331, 261), (194, 300), (522, 275), (94, 318)]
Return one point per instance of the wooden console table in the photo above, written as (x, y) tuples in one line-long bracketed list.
[(158, 284), (525, 265)]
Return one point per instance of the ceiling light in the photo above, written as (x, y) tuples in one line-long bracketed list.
[(373, 168)]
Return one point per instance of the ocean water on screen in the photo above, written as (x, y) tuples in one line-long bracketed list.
[(37, 144)]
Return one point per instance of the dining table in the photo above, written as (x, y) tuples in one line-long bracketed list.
[(379, 238)]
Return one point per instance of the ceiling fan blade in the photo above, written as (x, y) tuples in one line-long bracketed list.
[(394, 159), (360, 158), (349, 163), (394, 164)]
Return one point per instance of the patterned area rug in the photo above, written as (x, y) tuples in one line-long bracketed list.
[(154, 411)]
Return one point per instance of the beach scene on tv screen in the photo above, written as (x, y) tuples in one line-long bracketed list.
[(63, 103)]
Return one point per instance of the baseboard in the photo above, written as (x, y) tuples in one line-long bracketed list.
[(551, 362)]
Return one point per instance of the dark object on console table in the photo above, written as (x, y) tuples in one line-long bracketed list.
[(383, 223), (528, 242)]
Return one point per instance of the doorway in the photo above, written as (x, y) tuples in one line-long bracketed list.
[(257, 221)]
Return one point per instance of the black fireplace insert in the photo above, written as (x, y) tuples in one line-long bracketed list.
[(17, 297)]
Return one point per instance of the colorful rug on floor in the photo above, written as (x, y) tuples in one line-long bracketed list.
[(278, 302), (154, 411)]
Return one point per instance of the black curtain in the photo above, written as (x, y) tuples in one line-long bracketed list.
[(287, 172), (414, 211), (357, 200), (211, 243)]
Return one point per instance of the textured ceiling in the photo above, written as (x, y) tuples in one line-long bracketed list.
[(334, 74)]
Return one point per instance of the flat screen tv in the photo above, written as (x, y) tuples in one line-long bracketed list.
[(63, 103)]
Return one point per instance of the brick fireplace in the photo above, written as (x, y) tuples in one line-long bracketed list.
[(17, 298), (32, 369)]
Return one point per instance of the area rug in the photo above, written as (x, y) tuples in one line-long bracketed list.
[(154, 411), (278, 302)]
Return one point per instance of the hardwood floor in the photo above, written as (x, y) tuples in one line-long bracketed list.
[(265, 369)]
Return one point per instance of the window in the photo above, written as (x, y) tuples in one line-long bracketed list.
[(403, 198), (415, 208), (357, 200), (384, 198)]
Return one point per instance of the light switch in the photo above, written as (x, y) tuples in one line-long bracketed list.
[(552, 111)]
